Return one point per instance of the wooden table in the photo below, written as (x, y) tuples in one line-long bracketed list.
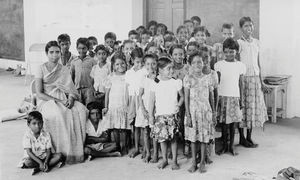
[(278, 95)]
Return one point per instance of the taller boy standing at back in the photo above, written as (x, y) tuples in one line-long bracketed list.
[(80, 71), (67, 57)]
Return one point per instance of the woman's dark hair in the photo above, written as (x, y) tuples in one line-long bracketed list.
[(202, 29), (231, 44), (227, 26), (196, 18), (176, 46), (193, 43), (93, 38), (34, 115), (51, 44), (140, 27), (84, 41), (197, 53), (63, 38), (243, 20), (103, 48), (163, 62), (110, 35), (136, 53), (117, 55)]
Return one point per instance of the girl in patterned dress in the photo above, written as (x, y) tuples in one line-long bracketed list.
[(199, 126), (117, 100), (255, 111), (164, 97), (230, 71)]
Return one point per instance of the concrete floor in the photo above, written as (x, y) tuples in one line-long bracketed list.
[(278, 148)]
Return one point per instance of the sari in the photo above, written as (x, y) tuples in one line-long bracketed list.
[(66, 126)]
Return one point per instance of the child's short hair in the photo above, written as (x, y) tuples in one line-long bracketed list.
[(153, 56), (145, 31), (137, 53), (140, 27), (202, 29), (193, 43), (151, 23), (51, 44), (84, 41), (151, 44), (243, 20), (127, 41), (196, 18), (34, 115), (110, 35), (117, 55), (63, 38), (92, 38), (230, 43), (169, 38), (179, 28), (196, 53), (132, 32), (163, 26), (227, 26), (176, 46), (187, 21), (101, 47), (163, 62)]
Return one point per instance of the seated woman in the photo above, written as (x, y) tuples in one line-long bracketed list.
[(64, 116)]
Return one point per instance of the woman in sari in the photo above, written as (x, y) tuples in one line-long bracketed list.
[(64, 117)]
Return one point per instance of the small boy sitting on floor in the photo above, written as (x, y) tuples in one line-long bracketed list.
[(97, 139), (37, 145)]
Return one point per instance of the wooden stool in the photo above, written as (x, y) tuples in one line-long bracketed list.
[(272, 100)]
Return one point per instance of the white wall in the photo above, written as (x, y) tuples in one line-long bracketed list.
[(44, 20), (280, 45)]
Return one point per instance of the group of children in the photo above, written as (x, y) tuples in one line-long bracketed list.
[(163, 88)]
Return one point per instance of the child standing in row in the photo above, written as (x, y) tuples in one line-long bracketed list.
[(64, 41), (201, 34), (142, 116), (37, 146), (81, 70), (255, 111), (117, 101), (199, 126), (230, 71), (164, 95), (100, 72), (97, 137)]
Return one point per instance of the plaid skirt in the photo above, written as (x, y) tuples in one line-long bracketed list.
[(229, 110), (165, 127), (254, 111)]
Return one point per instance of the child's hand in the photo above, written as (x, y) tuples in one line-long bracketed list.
[(104, 111), (42, 166), (151, 120), (214, 118), (177, 108), (70, 103), (46, 167), (145, 113), (189, 121)]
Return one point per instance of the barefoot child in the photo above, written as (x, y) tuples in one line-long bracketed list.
[(97, 138), (37, 145), (255, 111), (230, 71), (142, 117), (164, 95), (199, 120), (116, 101), (100, 72)]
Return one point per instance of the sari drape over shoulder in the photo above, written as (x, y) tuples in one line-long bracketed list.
[(66, 126)]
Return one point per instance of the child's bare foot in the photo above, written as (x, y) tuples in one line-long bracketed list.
[(175, 166), (90, 157), (147, 159), (35, 171), (162, 165), (154, 159), (134, 154), (61, 164), (193, 168), (208, 160), (233, 152), (202, 168), (115, 154)]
